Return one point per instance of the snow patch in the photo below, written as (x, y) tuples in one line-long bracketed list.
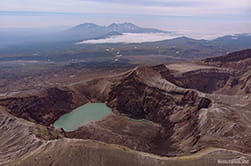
[(234, 38)]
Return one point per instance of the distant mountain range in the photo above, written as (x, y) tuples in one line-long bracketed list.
[(61, 46), (86, 31), (229, 42), (92, 31), (120, 28)]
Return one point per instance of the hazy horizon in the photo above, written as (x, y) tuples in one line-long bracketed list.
[(207, 17)]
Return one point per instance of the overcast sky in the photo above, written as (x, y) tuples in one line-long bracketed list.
[(210, 16)]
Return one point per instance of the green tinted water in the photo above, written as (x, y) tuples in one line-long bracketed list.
[(78, 117)]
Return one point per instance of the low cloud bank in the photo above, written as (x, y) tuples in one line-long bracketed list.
[(132, 38)]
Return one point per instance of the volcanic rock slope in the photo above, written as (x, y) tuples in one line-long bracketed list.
[(192, 113)]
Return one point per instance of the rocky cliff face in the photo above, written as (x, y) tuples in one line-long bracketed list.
[(240, 64), (145, 94), (20, 137), (44, 107)]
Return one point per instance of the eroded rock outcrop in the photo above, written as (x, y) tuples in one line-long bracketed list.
[(19, 137), (44, 107), (240, 64)]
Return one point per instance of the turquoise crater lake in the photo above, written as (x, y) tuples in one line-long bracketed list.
[(81, 115)]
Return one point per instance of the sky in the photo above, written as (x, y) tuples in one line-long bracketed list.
[(184, 16)]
